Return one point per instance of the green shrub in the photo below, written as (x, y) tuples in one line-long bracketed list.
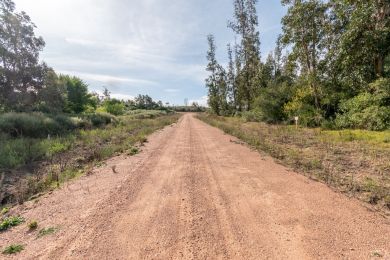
[(35, 125), (13, 249), (10, 222), (252, 116), (4, 211), (271, 101), (101, 119), (33, 225), (114, 107), (368, 110)]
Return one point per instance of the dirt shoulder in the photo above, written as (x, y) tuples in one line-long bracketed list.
[(194, 193)]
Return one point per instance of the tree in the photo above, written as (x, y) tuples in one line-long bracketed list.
[(222, 88), (114, 106), (361, 37), (304, 29), (21, 75), (231, 80), (145, 102), (245, 24), (211, 81), (77, 93), (53, 95)]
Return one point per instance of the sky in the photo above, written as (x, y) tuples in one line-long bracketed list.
[(154, 47)]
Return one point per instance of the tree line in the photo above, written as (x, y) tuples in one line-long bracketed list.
[(330, 66), (28, 85)]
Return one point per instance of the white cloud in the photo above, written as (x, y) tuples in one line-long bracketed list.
[(134, 46), (172, 90), (201, 101), (108, 78)]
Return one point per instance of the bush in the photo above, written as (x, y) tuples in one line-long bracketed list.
[(368, 110), (271, 102), (10, 222), (101, 119), (302, 105), (252, 116), (13, 249), (34, 125), (114, 107)]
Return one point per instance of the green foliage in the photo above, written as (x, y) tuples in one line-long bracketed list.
[(77, 94), (13, 249), (335, 49), (47, 231), (4, 210), (10, 222), (133, 151), (52, 97), (271, 101), (254, 115), (33, 225), (368, 110), (114, 107), (101, 119), (21, 74), (301, 105)]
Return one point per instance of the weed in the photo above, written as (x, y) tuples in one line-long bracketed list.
[(10, 222), (4, 210), (33, 225), (13, 249), (47, 231), (133, 151)]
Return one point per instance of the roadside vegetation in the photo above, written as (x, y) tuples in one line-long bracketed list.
[(52, 128), (355, 162), (330, 66), (329, 72)]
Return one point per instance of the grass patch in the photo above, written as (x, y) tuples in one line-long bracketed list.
[(10, 222), (47, 231), (13, 249), (133, 151)]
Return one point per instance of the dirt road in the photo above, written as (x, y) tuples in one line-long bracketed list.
[(194, 193)]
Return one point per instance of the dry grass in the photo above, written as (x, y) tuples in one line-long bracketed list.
[(353, 161), (88, 148)]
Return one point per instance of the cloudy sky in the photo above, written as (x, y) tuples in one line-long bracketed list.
[(154, 47)]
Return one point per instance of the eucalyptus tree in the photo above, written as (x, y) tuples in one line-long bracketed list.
[(21, 75), (304, 29), (245, 25), (211, 81)]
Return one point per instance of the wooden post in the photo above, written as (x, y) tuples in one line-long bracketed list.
[(296, 122)]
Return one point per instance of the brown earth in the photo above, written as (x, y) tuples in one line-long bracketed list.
[(195, 193)]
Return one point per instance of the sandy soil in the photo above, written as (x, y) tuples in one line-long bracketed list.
[(194, 193)]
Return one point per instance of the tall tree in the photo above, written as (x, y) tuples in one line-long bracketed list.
[(245, 24), (211, 81), (362, 40), (304, 29), (231, 80), (77, 94), (21, 75)]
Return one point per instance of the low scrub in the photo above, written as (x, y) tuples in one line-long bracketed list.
[(13, 249), (10, 222), (38, 125), (43, 164)]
